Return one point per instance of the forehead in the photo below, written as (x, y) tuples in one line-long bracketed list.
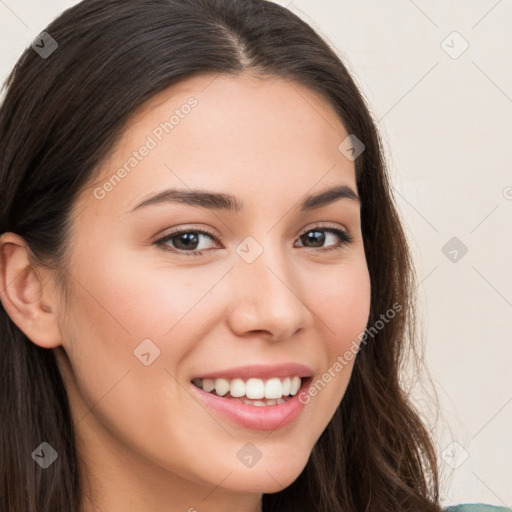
[(244, 133)]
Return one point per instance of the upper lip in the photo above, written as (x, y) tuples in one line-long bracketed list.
[(261, 371)]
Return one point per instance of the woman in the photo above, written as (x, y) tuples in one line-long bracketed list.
[(145, 370)]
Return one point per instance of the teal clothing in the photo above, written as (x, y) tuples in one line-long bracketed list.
[(476, 507)]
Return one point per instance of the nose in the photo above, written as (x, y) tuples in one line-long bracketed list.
[(267, 298)]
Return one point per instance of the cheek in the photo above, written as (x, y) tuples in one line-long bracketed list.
[(137, 298), (343, 304)]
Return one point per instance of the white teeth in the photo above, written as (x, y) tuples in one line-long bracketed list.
[(254, 389), (208, 385), (295, 385), (286, 386), (221, 386), (273, 388), (237, 388)]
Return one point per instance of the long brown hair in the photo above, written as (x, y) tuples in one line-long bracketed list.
[(60, 118)]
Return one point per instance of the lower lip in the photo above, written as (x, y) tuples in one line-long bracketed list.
[(268, 417)]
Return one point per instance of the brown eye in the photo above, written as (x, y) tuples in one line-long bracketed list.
[(185, 241), (317, 237)]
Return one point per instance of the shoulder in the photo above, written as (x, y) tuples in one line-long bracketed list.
[(476, 507)]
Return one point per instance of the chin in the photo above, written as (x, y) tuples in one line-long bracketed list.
[(272, 476), (262, 482)]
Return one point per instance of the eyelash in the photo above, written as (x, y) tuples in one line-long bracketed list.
[(344, 236)]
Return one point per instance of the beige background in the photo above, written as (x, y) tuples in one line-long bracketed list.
[(445, 115)]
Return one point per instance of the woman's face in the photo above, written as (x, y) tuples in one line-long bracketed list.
[(266, 287)]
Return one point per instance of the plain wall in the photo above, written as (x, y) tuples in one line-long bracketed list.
[(445, 116)]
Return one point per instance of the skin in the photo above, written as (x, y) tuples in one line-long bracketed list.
[(145, 442)]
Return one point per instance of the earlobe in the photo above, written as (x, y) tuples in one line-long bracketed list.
[(23, 295)]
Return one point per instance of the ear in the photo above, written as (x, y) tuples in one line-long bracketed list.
[(23, 295)]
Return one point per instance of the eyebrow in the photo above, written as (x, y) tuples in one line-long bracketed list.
[(221, 201)]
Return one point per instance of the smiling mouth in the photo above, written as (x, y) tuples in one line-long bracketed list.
[(253, 391)]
